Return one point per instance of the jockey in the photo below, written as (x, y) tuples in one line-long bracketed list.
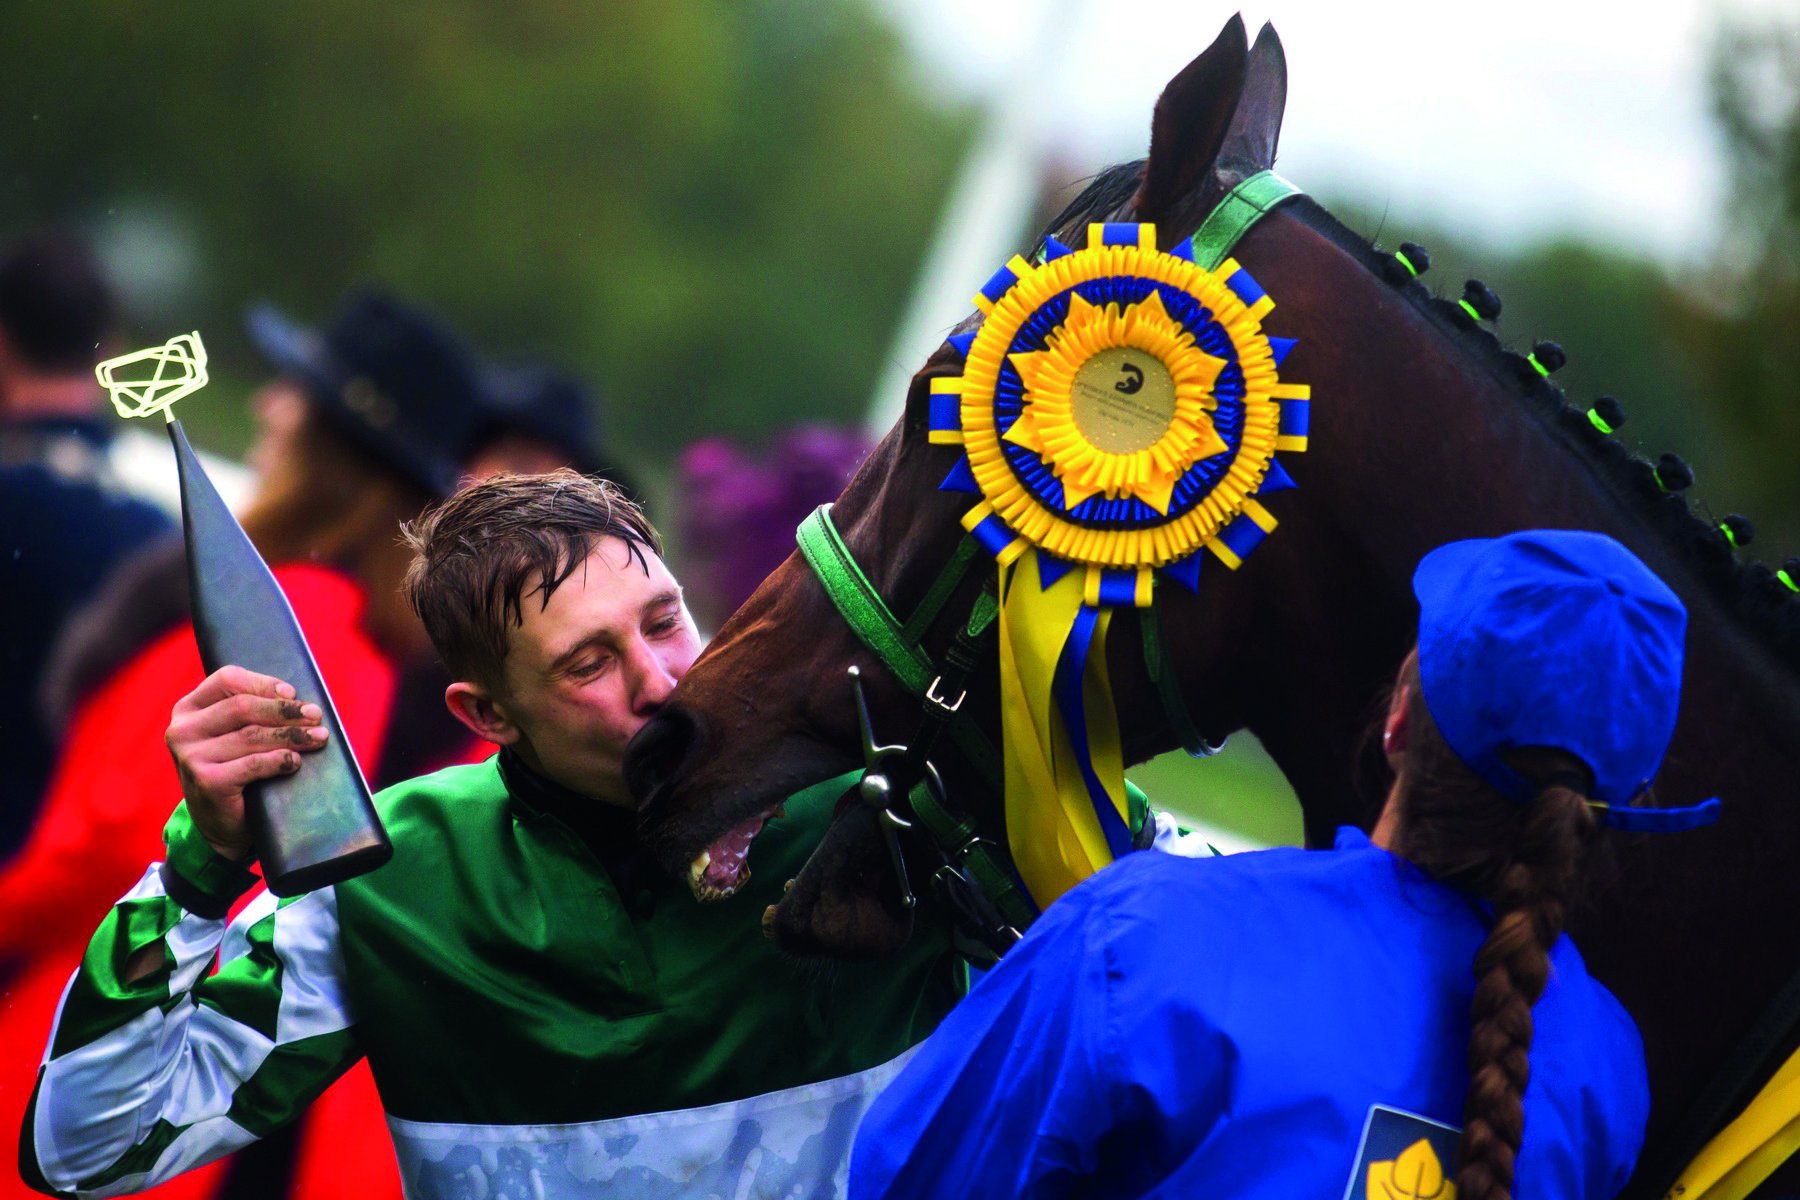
[(544, 1011), (1293, 1023)]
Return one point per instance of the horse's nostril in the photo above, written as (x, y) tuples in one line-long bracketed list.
[(657, 754)]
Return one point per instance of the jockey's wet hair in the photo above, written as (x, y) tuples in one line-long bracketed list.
[(1526, 860), (481, 554)]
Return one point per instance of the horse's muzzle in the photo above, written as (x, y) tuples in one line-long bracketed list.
[(658, 756)]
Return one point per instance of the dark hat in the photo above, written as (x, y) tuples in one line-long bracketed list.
[(391, 377), (1559, 638), (552, 407), (545, 404)]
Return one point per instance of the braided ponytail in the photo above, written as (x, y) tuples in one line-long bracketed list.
[(1525, 860), (1511, 969)]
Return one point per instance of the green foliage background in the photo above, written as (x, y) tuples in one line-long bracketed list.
[(715, 208), (710, 205)]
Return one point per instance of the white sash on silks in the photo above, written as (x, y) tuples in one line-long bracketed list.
[(779, 1144)]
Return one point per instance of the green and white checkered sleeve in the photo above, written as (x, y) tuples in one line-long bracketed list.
[(149, 1073)]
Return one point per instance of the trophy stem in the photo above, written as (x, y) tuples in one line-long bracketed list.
[(317, 826)]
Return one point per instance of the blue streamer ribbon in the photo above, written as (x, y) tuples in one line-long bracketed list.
[(1065, 686)]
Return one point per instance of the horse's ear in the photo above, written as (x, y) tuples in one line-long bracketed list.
[(1192, 117), (1249, 144)]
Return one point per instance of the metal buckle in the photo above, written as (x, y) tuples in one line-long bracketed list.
[(931, 695)]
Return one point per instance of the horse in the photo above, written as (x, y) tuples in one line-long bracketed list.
[(1425, 429)]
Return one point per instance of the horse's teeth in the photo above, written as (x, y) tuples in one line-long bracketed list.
[(697, 868), (768, 922), (707, 892)]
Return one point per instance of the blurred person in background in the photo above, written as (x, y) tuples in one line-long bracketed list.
[(539, 419), (367, 422), (532, 419), (68, 519)]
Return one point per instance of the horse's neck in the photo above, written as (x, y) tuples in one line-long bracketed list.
[(1417, 442)]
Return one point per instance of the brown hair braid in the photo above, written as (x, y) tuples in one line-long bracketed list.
[(1524, 859)]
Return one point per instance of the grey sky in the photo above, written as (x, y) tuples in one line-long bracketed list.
[(1513, 121)]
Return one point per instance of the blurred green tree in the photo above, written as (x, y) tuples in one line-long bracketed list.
[(712, 207), (1613, 308), (1740, 321)]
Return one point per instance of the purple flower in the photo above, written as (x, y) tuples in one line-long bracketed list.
[(740, 507)]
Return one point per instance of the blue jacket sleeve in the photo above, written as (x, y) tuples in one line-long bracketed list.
[(1011, 1095)]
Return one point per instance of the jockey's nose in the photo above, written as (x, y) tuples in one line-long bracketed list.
[(650, 677), (654, 685), (655, 757)]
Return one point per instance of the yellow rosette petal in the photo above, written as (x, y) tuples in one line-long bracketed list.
[(1119, 402)]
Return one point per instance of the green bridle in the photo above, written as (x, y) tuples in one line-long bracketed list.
[(992, 906)]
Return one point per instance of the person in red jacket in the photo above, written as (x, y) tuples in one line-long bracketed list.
[(369, 420)]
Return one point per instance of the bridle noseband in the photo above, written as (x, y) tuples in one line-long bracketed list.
[(989, 905)]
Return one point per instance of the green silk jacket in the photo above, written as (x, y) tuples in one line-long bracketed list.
[(529, 1021)]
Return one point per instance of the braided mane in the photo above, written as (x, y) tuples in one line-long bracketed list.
[(1749, 591)]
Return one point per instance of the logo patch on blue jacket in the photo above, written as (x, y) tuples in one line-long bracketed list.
[(1404, 1156)]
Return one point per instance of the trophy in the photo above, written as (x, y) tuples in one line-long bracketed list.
[(317, 826)]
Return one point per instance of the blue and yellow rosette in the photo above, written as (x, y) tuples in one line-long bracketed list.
[(1119, 412)]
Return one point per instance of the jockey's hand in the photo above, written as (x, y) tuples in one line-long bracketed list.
[(235, 728)]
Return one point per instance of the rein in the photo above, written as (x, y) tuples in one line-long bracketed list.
[(991, 907), (898, 645), (1728, 1155)]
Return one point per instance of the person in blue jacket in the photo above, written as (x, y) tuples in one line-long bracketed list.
[(1296, 1023)]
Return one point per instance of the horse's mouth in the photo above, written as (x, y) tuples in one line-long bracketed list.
[(722, 869), (845, 901)]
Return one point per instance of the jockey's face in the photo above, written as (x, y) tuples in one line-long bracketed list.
[(584, 672)]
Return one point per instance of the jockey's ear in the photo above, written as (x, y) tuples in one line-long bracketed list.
[(1249, 144), (485, 717), (1192, 117)]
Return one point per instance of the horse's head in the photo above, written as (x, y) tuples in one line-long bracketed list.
[(769, 706)]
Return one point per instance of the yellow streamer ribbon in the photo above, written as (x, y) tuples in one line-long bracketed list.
[(1051, 825), (1747, 1151)]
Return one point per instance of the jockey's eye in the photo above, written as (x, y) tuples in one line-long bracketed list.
[(588, 668)]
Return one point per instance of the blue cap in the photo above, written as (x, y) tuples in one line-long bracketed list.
[(1558, 638)]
